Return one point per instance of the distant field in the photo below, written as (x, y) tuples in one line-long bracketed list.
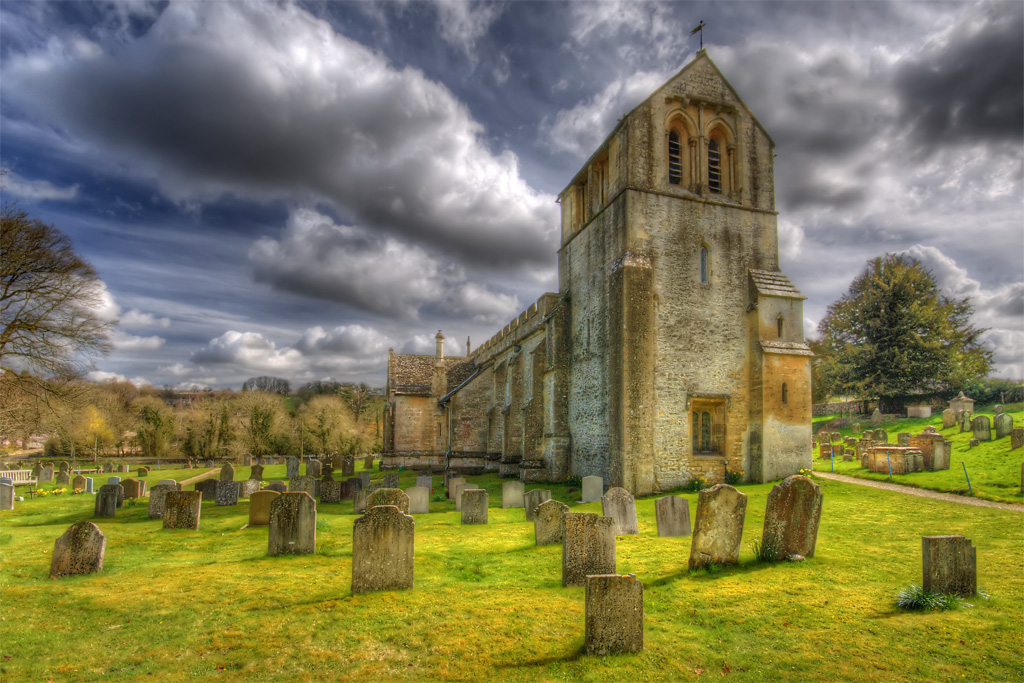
[(210, 605)]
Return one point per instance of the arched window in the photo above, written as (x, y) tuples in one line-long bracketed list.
[(785, 394), (705, 265), (782, 326), (714, 166), (675, 159)]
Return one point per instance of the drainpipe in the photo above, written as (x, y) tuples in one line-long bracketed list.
[(448, 453)]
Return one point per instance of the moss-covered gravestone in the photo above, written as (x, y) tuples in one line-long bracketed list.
[(383, 550), (78, 551), (791, 518)]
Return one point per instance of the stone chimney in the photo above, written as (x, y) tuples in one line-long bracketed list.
[(440, 382)]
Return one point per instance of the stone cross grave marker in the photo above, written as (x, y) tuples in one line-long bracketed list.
[(791, 518), (383, 550), (419, 500), (512, 494), (618, 503), (259, 507), (182, 509), (547, 522), (79, 550), (389, 496), (593, 489), (292, 524), (533, 499), (614, 612), (718, 531), (949, 565), (474, 506), (673, 516), (588, 546)]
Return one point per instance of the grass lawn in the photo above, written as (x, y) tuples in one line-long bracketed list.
[(993, 468), (210, 605)]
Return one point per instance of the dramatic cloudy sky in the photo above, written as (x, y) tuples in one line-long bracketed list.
[(291, 189)]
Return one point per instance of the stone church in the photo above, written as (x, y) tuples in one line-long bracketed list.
[(674, 347)]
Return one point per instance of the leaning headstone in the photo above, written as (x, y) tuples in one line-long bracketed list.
[(950, 565), (547, 522), (359, 500), (419, 500), (78, 483), (133, 488), (948, 418), (303, 483), (292, 464), (593, 489), (718, 529), (512, 494), (1003, 425), (292, 524), (208, 488), (425, 480), (614, 609), (982, 428), (588, 546), (226, 493), (452, 483), (391, 480), (791, 518), (108, 500), (618, 503), (277, 485), (314, 469), (6, 496), (474, 506), (259, 507), (383, 550), (182, 509), (256, 472), (158, 500), (533, 500), (227, 472), (247, 487), (389, 496), (673, 516), (78, 551)]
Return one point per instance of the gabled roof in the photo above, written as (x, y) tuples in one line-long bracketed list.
[(774, 283), (413, 374)]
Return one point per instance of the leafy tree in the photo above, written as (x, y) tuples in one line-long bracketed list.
[(893, 335), (156, 427), (95, 430), (274, 385), (317, 388), (327, 420)]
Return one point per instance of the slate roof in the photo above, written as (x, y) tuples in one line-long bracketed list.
[(412, 374), (774, 283)]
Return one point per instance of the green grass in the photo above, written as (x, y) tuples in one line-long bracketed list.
[(210, 605), (993, 468)]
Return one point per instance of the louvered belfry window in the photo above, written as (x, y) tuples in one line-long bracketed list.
[(675, 159), (714, 167)]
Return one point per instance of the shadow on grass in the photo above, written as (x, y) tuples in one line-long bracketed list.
[(574, 656)]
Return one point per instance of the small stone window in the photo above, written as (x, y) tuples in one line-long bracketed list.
[(785, 394), (708, 427), (675, 159), (705, 265), (714, 166), (782, 326)]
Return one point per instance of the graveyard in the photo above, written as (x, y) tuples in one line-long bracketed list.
[(487, 603)]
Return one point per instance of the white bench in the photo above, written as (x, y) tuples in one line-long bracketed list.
[(20, 477)]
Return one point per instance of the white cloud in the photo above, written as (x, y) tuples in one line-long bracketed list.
[(102, 377), (123, 341), (355, 340), (16, 187), (250, 351), (135, 318), (463, 23)]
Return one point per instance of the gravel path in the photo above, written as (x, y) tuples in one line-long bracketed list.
[(923, 493), (200, 477)]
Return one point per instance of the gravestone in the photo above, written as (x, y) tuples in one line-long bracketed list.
[(998, 410), (45, 474), (673, 516), (474, 506), (383, 550), (314, 469), (950, 565), (62, 479), (425, 480), (364, 480), (65, 466), (292, 524), (247, 460), (227, 472), (419, 500), (1003, 425), (349, 488), (330, 491), (114, 480), (226, 493), (882, 436), (532, 501), (6, 496), (836, 436), (256, 473), (618, 503), (547, 522), (391, 480), (259, 507), (839, 451), (982, 428), (876, 417), (303, 483), (460, 488), (948, 418), (368, 462), (593, 489), (78, 551), (718, 529), (452, 483), (1016, 438), (588, 546), (965, 422), (292, 465), (791, 518), (208, 488), (209, 463), (277, 485), (389, 496), (972, 443), (359, 501), (143, 472), (88, 484), (133, 488), (512, 494), (326, 470), (182, 508), (903, 439), (614, 612), (856, 428), (247, 487), (825, 451), (158, 500), (348, 466), (108, 500), (123, 469)]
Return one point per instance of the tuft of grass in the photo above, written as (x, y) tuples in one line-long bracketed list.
[(917, 598)]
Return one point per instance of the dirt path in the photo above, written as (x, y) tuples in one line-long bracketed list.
[(923, 493), (200, 477)]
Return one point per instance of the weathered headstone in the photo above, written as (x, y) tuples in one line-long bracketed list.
[(314, 469), (292, 465), (882, 436), (208, 488), (948, 418), (452, 483), (588, 546), (474, 506), (227, 472), (383, 550), (981, 428), (673, 516), (459, 489), (158, 499), (425, 480), (259, 507), (143, 472), (618, 503), (876, 417), (6, 496), (62, 478), (791, 518), (512, 494), (123, 469), (78, 551), (903, 439), (133, 488), (330, 491), (348, 466), (856, 428), (547, 522), (718, 529), (1003, 425), (614, 610), (391, 480), (950, 565), (998, 409), (364, 479), (593, 489), (182, 509), (368, 462), (532, 501), (277, 485), (389, 496), (247, 487), (257, 472), (1016, 438), (965, 422), (303, 483), (114, 480), (292, 524), (226, 493), (45, 474), (349, 488), (108, 500), (88, 484), (419, 500), (359, 500)]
